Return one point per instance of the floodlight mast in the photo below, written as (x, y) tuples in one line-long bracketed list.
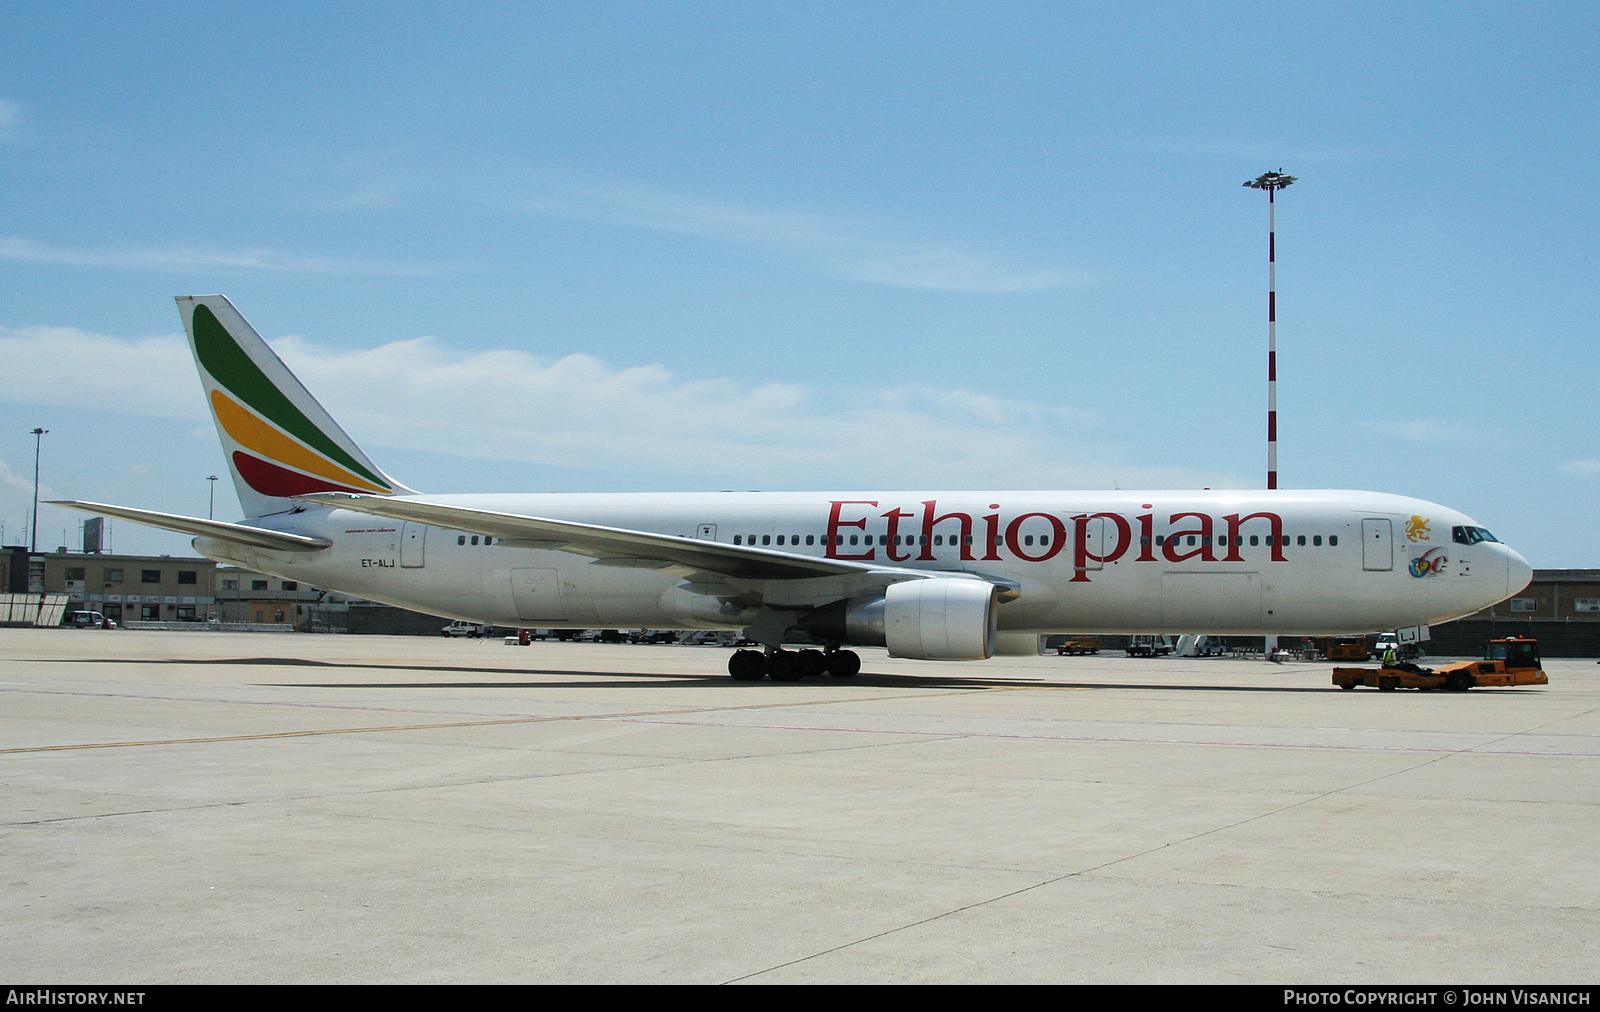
[(1272, 182), (33, 528)]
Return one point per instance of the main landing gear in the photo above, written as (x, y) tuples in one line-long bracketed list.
[(792, 665)]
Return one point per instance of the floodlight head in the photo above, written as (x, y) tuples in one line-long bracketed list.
[(1270, 181)]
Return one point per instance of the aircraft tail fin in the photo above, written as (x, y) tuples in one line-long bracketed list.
[(279, 441)]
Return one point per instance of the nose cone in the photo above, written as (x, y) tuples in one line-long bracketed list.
[(1518, 573)]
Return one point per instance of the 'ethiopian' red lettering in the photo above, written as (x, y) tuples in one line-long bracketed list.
[(834, 523)]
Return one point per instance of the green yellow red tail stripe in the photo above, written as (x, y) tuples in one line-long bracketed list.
[(234, 371), (279, 441)]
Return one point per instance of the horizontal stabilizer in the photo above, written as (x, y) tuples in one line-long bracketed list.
[(255, 537)]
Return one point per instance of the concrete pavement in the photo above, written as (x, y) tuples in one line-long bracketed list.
[(198, 807)]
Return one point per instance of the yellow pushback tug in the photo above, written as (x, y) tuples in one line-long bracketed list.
[(1510, 661)]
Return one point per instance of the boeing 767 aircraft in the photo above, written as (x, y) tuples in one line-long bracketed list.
[(936, 575)]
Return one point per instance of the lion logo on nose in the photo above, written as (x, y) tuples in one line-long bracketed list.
[(1417, 529)]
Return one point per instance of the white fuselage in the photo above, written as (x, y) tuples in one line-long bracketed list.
[(1239, 562)]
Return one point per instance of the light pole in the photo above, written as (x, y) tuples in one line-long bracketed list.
[(33, 529), (211, 509), (1272, 182)]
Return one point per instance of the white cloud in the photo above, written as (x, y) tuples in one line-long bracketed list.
[(73, 368), (579, 412), (1261, 156), (10, 116), (834, 246), (181, 259), (1425, 430), (22, 483), (1582, 468)]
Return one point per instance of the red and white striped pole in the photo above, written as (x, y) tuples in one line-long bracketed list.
[(1272, 182)]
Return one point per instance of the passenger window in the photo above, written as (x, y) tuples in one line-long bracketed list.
[(766, 539), (461, 539), (1301, 540), (1028, 540), (1044, 539), (1317, 540), (853, 538), (474, 539), (1255, 539), (809, 538), (1333, 540)]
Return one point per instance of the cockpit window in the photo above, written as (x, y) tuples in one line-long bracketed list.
[(1470, 535)]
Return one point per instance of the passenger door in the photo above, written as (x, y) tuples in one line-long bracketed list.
[(413, 540), (1377, 544)]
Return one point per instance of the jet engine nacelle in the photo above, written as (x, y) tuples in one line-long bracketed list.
[(941, 620), (929, 620)]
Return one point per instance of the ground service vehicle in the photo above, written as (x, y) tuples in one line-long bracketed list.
[(1510, 661), (1344, 648), (1148, 646), (1078, 645)]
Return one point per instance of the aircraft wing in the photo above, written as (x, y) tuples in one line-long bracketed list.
[(241, 534), (619, 546)]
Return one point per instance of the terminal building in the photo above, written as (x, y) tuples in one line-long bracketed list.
[(141, 590), (122, 587), (1560, 609)]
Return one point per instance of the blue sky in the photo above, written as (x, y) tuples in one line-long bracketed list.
[(699, 246)]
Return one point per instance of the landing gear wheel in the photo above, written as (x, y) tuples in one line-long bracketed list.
[(747, 666), (1388, 683), (783, 666), (812, 663), (844, 663)]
